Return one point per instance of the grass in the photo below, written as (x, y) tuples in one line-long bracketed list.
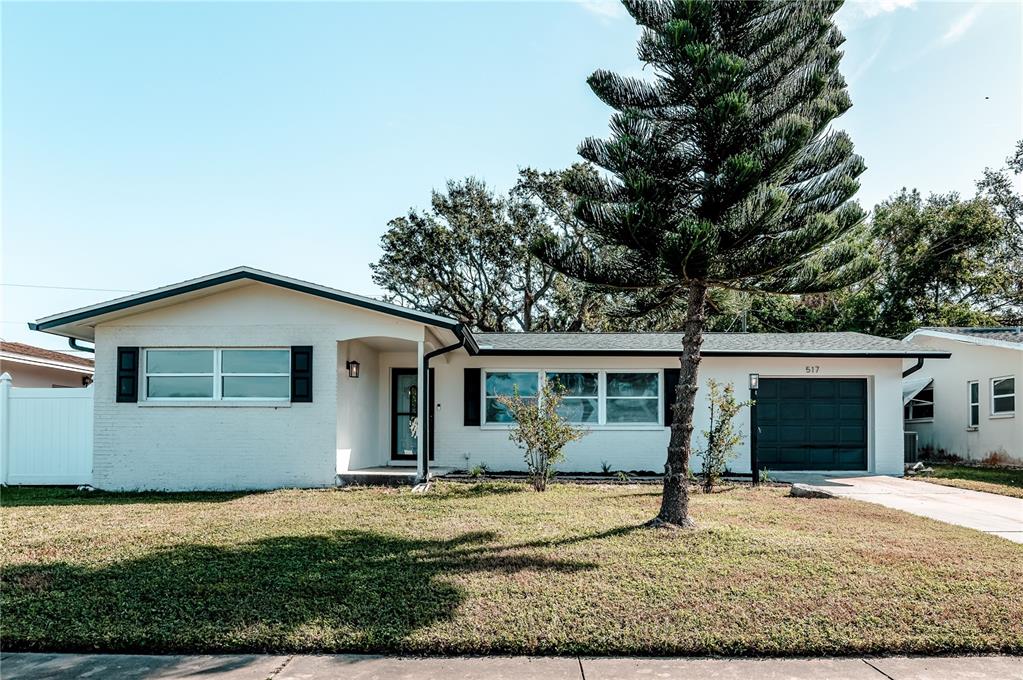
[(490, 568), (1004, 481)]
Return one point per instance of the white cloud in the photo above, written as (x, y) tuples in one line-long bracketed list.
[(605, 9), (856, 12), (961, 25)]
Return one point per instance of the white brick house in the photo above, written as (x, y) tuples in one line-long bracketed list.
[(245, 379)]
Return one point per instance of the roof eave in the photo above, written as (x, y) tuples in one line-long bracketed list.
[(715, 353)]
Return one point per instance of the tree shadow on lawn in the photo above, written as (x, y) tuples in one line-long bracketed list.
[(345, 591), (24, 496)]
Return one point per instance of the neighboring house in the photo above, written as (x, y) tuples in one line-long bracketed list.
[(967, 405), (31, 366), (246, 379)]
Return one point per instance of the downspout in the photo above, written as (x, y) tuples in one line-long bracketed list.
[(913, 369), (424, 429), (73, 343)]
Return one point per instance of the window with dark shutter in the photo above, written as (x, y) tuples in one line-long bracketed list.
[(302, 373), (127, 375), (671, 378), (471, 396)]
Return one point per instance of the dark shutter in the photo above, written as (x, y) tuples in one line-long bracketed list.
[(301, 373), (127, 375), (671, 378), (471, 396)]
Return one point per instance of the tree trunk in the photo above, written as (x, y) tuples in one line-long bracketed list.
[(675, 499)]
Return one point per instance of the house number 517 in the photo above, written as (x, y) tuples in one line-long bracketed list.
[(813, 369)]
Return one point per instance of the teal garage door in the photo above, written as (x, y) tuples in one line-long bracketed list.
[(812, 424)]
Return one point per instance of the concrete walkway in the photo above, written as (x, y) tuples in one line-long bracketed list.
[(987, 512), (356, 667)]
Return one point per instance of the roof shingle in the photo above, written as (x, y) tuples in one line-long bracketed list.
[(808, 344), (24, 350)]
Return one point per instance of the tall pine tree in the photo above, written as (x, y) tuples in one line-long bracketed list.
[(721, 172)]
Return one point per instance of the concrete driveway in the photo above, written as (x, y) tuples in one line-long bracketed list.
[(987, 512)]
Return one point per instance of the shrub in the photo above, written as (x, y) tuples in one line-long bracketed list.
[(605, 467), (721, 438), (541, 431), (479, 471)]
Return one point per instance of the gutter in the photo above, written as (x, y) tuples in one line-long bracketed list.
[(914, 368), (73, 344), (463, 335)]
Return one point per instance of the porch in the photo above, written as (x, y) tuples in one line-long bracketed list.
[(384, 408)]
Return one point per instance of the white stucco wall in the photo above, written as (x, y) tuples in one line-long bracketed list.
[(27, 375), (948, 429), (644, 448), (220, 446)]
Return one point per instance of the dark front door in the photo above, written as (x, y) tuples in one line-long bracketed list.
[(812, 424), (404, 426)]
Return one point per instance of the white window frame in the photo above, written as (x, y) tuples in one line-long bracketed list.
[(922, 419), (601, 423), (970, 425), (1002, 414), (217, 375)]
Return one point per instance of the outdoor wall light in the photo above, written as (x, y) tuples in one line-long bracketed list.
[(754, 381), (353, 368)]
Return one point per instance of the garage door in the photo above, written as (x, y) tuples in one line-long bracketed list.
[(812, 424)]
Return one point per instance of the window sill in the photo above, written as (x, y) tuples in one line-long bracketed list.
[(186, 403), (1002, 415), (973, 428), (921, 420)]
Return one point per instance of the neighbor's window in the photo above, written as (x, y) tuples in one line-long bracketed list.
[(218, 374), (632, 397), (504, 384), (973, 396), (921, 407), (580, 402), (1003, 396)]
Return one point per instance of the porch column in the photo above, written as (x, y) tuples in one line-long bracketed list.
[(421, 470)]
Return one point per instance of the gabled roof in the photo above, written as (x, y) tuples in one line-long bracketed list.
[(1010, 337), (77, 323), (22, 353), (714, 344)]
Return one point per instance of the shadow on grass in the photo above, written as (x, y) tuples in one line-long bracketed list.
[(18, 496), (343, 591), (480, 489)]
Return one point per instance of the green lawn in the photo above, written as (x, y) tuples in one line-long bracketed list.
[(1004, 481), (497, 568)]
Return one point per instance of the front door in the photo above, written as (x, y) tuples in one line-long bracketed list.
[(404, 407)]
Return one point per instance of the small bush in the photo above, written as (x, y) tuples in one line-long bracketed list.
[(479, 471), (721, 439), (605, 467), (541, 431)]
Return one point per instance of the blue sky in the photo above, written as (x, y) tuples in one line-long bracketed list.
[(145, 143)]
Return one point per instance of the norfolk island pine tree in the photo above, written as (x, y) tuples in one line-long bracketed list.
[(722, 170)]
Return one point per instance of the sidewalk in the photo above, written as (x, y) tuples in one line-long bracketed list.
[(357, 667)]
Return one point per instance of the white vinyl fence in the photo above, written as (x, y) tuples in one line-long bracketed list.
[(45, 434)]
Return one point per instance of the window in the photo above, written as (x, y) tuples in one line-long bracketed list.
[(218, 374), (632, 397), (505, 385), (621, 398), (973, 397), (1003, 396), (921, 407), (580, 402)]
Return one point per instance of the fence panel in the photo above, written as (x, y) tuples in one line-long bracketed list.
[(47, 435)]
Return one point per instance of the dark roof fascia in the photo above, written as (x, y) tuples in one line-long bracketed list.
[(409, 314), (712, 353)]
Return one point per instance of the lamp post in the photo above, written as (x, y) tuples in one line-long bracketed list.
[(754, 429)]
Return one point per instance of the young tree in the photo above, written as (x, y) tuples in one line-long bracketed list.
[(723, 172), (540, 431), (720, 438)]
